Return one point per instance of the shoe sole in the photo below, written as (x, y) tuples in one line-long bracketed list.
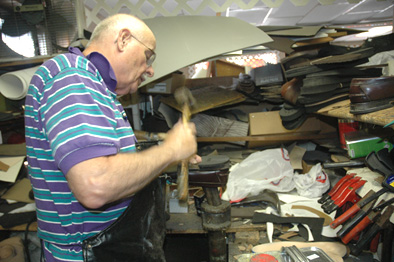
[(372, 106)]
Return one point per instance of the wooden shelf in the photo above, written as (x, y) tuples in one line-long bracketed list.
[(341, 110)]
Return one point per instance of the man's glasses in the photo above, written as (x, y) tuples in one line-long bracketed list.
[(149, 59)]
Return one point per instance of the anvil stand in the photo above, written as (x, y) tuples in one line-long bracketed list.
[(215, 213), (216, 218)]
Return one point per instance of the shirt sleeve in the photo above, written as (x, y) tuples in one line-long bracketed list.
[(79, 118)]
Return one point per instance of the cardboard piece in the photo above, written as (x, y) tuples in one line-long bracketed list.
[(15, 164), (167, 86), (207, 98), (13, 149), (4, 167), (186, 40), (259, 126), (295, 31), (360, 143), (19, 191)]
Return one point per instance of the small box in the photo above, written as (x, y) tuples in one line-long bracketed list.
[(167, 86), (360, 144)]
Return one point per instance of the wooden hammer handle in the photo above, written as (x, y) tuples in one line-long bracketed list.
[(183, 175)]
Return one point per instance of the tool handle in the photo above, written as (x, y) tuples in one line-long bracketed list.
[(356, 230), (351, 223), (350, 194), (183, 176), (345, 216), (366, 239), (335, 188), (341, 182), (343, 189), (185, 114), (183, 181)]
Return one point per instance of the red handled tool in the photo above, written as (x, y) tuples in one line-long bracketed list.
[(381, 223), (340, 191), (337, 186), (388, 185), (349, 195), (366, 221), (351, 222)]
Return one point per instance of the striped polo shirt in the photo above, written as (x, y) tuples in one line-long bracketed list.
[(72, 115)]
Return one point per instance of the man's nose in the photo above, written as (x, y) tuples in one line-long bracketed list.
[(150, 71)]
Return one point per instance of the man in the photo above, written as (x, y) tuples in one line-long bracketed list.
[(83, 163)]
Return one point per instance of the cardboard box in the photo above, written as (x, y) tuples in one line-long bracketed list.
[(167, 86), (360, 144), (270, 123)]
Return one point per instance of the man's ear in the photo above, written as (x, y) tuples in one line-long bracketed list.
[(123, 38)]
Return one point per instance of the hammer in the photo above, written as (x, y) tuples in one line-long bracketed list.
[(185, 99)]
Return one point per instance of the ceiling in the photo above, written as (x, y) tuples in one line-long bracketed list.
[(255, 12), (341, 12)]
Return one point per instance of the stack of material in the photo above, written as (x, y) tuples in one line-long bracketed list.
[(320, 78)]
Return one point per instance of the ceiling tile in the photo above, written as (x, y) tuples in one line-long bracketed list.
[(372, 5), (324, 14), (351, 18), (254, 17), (287, 9)]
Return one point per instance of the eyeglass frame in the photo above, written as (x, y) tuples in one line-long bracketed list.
[(149, 60)]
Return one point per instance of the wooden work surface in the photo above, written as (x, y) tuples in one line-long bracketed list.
[(188, 223), (191, 223), (32, 227), (342, 110)]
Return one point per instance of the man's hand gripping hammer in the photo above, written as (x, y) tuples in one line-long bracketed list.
[(185, 99)]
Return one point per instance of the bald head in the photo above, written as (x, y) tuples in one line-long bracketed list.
[(109, 28), (128, 44)]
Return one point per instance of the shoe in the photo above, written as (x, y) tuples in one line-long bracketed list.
[(371, 94), (291, 90)]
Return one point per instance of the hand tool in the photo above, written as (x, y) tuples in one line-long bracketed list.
[(340, 191), (361, 214), (336, 187), (366, 221), (351, 163), (388, 185), (349, 195), (185, 99), (381, 223), (362, 219)]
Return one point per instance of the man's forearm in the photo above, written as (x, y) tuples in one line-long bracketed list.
[(103, 180)]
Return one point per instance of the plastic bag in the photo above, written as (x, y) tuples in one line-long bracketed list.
[(312, 184), (267, 169)]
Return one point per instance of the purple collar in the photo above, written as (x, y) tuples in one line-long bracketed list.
[(102, 65)]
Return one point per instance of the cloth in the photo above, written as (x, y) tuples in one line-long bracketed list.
[(72, 114), (138, 235)]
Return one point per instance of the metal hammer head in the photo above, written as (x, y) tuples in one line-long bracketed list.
[(183, 96)]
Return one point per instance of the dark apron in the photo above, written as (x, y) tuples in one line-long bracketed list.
[(137, 235)]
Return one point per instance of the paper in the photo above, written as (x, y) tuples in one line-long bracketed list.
[(14, 164), (19, 192)]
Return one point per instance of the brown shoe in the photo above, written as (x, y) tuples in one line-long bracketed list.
[(371, 94)]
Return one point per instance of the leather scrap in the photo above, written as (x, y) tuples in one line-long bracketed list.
[(314, 223), (327, 218)]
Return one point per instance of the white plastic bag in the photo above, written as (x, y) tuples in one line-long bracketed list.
[(312, 184), (267, 169)]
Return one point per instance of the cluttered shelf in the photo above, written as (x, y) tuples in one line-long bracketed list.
[(341, 110)]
